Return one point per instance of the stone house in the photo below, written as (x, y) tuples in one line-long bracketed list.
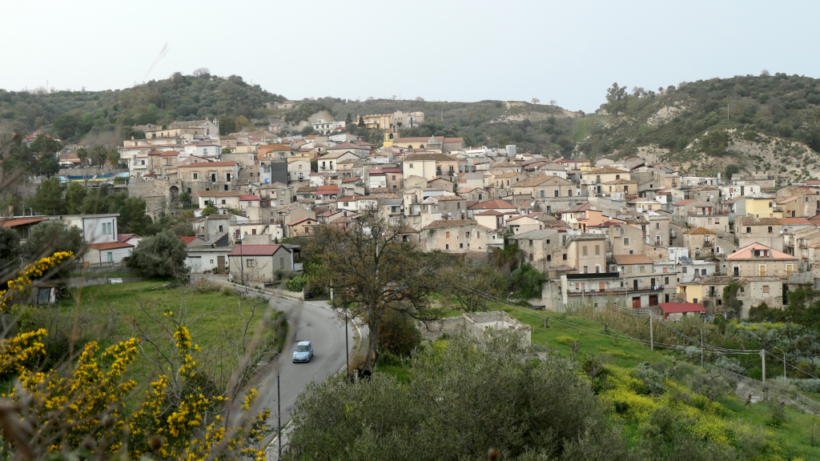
[(765, 231), (259, 263), (700, 242), (460, 236), (758, 260)]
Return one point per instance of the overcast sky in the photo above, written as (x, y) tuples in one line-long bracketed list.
[(570, 51)]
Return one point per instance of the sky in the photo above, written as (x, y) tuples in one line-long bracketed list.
[(443, 50)]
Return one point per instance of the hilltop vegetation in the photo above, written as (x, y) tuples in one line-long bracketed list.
[(71, 115), (748, 118)]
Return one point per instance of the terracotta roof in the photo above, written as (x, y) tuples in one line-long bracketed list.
[(346, 146), (683, 202), (21, 221), (247, 198), (299, 221), (626, 260), (619, 182), (330, 187), (436, 157), (188, 240), (747, 252), (582, 207), (606, 170), (492, 204), (255, 250), (700, 231), (490, 213), (110, 245), (207, 164), (752, 221), (675, 308), (792, 221), (276, 147), (348, 180), (124, 237), (441, 224), (448, 198), (507, 175)]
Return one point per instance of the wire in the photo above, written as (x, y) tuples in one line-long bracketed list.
[(789, 364)]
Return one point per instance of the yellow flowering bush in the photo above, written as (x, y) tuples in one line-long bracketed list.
[(34, 270), (87, 403)]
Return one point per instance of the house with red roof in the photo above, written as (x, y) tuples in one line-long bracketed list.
[(259, 263), (676, 311), (757, 260)]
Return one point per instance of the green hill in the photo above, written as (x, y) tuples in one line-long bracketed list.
[(760, 123), (74, 114)]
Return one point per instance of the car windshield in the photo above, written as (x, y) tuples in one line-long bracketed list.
[(302, 348)]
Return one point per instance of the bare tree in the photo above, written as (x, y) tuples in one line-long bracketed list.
[(372, 270), (553, 102), (764, 73), (535, 101)]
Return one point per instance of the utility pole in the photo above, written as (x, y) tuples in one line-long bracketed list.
[(701, 347), (651, 334), (279, 407), (763, 360)]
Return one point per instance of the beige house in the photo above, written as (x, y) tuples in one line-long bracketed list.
[(587, 253), (429, 166), (259, 263), (700, 242), (219, 199), (460, 236), (765, 231), (758, 260)]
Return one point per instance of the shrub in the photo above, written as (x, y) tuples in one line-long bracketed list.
[(398, 334), (296, 284), (565, 340)]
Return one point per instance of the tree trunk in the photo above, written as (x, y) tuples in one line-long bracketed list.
[(372, 345)]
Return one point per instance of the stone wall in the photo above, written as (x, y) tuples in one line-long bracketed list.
[(475, 325)]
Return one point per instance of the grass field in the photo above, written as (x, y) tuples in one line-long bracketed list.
[(111, 313)]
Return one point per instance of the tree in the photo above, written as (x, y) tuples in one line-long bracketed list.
[(99, 153), (75, 196), (468, 281), (348, 119), (361, 122), (535, 101), (185, 198), (553, 102), (208, 210), (82, 154), (458, 402), (373, 271), (162, 255), (398, 334), (227, 125), (9, 248), (114, 157), (202, 72), (307, 131), (527, 281), (616, 99), (49, 198), (66, 125), (715, 143), (730, 171), (764, 73), (731, 305), (50, 237), (242, 122)]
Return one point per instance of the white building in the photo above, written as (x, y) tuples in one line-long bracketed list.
[(96, 228)]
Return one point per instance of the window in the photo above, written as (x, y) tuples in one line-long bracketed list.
[(586, 270), (447, 234), (196, 176), (250, 263), (281, 263), (626, 242), (765, 288), (565, 256), (467, 235), (223, 201), (770, 229), (110, 257), (220, 229), (685, 270), (549, 257), (789, 269), (666, 280), (584, 250), (749, 230), (657, 225), (461, 245), (597, 250), (642, 268), (446, 247)]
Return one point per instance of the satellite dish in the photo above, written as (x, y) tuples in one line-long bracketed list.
[(532, 204)]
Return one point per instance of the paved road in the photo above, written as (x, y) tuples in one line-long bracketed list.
[(311, 321)]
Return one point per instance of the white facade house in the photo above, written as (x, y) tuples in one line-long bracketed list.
[(205, 259), (298, 169), (96, 228), (107, 253)]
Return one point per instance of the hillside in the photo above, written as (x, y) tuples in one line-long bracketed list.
[(759, 123), (71, 115)]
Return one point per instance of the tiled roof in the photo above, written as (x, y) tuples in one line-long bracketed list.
[(674, 308), (218, 193), (607, 170), (752, 221), (700, 231), (255, 250), (747, 252), (110, 245), (436, 157), (247, 198), (626, 260), (441, 224), (21, 222), (492, 205), (683, 202), (207, 164)]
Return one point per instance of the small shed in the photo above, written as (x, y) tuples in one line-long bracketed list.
[(676, 311)]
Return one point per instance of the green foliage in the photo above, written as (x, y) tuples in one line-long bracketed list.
[(307, 131), (731, 304), (162, 255), (49, 237), (227, 125), (49, 198), (9, 247), (296, 284), (458, 402), (527, 281), (303, 111), (616, 99), (75, 196), (730, 171), (208, 210), (398, 334), (715, 143)]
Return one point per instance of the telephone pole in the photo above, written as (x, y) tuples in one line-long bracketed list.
[(763, 360), (651, 334)]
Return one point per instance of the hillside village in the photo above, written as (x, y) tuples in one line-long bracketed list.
[(630, 229)]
